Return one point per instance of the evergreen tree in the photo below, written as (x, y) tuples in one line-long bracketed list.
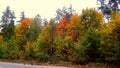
[(22, 16), (8, 23)]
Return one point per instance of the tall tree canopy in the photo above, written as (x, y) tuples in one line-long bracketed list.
[(108, 6), (66, 11)]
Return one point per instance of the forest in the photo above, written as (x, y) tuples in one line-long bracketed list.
[(71, 37)]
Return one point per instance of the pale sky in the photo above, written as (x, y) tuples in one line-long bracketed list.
[(46, 8)]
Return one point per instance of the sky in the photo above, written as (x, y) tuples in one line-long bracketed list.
[(45, 8)]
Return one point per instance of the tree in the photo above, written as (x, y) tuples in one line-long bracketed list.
[(89, 40), (35, 28), (52, 29), (66, 11), (22, 16), (115, 33), (46, 38), (8, 23), (61, 28), (45, 22), (20, 33), (25, 23), (108, 8), (91, 18), (73, 28)]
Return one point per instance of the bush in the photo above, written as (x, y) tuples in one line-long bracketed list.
[(30, 51), (42, 57), (80, 56), (12, 49), (3, 52)]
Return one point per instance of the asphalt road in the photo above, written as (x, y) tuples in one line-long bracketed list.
[(16, 65)]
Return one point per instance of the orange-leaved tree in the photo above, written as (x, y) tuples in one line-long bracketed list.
[(61, 27), (20, 32), (73, 28), (25, 23)]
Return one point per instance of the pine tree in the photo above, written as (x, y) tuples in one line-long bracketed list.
[(7, 23)]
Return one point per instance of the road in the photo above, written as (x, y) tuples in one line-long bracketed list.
[(16, 65)]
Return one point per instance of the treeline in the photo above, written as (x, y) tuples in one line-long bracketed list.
[(74, 38)]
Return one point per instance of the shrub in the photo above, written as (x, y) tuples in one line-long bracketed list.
[(42, 57), (3, 52)]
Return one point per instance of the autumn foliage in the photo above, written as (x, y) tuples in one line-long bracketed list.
[(82, 39), (25, 23), (62, 24)]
